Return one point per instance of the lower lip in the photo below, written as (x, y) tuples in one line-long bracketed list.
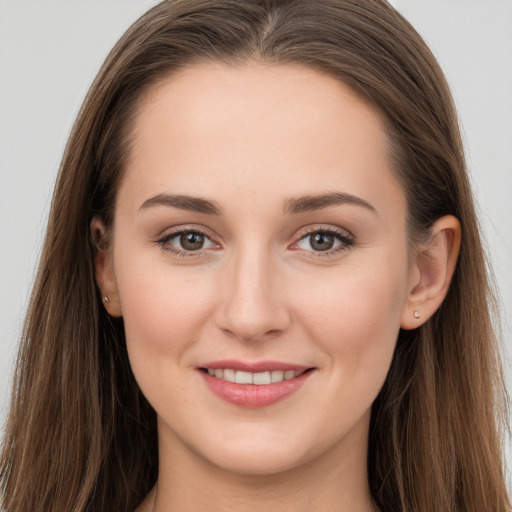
[(252, 396)]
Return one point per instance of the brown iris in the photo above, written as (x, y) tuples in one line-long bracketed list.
[(321, 241), (191, 241)]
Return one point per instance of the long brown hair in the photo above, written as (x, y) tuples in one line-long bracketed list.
[(80, 435)]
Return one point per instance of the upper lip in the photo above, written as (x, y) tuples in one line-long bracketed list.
[(254, 367)]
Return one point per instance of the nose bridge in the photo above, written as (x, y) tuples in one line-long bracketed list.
[(252, 301)]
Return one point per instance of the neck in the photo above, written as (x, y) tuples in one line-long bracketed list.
[(335, 481)]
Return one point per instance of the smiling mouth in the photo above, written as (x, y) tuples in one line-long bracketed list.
[(256, 379), (254, 385)]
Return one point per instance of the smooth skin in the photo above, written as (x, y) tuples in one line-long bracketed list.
[(261, 278)]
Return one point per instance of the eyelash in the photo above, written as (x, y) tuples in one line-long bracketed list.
[(346, 242), (182, 253)]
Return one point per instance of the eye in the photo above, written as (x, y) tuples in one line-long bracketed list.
[(186, 241), (326, 241), (191, 241)]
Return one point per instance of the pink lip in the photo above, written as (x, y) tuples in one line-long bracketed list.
[(249, 395)]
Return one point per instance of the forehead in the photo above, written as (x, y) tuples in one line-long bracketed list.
[(212, 128), (256, 96)]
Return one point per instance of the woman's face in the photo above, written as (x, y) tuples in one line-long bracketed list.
[(260, 236)]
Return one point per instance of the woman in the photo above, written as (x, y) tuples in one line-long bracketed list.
[(262, 278)]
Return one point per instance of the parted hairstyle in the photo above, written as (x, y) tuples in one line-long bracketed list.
[(80, 435)]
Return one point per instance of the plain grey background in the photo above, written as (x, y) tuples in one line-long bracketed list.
[(50, 52)]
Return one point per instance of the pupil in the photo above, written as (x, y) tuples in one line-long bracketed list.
[(191, 241), (322, 241)]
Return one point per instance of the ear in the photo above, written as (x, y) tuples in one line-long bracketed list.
[(431, 272), (104, 268)]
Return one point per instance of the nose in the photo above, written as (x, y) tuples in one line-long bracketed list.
[(253, 305)]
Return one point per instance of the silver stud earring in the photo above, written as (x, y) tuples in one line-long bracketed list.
[(416, 314), (105, 300)]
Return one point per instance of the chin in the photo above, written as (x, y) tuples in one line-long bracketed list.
[(256, 462), (263, 453)]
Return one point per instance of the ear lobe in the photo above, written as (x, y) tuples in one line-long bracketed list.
[(104, 269), (431, 272)]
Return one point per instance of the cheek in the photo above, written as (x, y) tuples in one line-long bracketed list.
[(355, 321), (355, 317), (164, 309)]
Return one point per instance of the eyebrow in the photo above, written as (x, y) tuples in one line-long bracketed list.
[(317, 202), (193, 204), (297, 205)]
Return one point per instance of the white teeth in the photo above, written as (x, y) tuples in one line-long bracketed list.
[(243, 377), (277, 376), (258, 379), (261, 378), (229, 375)]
